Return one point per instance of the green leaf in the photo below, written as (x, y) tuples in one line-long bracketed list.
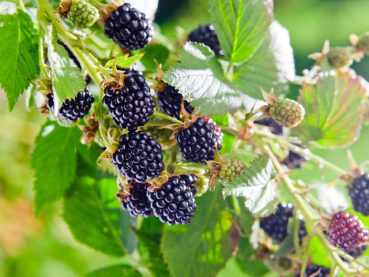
[(124, 61), (66, 77), (115, 271), (202, 247), (18, 54), (90, 221), (318, 253), (333, 110), (158, 52), (255, 184), (149, 240), (199, 77), (241, 26), (54, 162), (272, 66)]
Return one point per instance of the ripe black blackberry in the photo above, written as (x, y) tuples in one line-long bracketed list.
[(294, 160), (346, 232), (302, 230), (275, 225), (206, 34), (274, 127), (129, 28), (312, 269), (136, 202), (173, 203), (359, 193), (197, 141), (138, 157), (170, 101), (73, 109), (132, 105)]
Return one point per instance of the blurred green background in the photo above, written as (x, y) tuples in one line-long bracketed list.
[(43, 246)]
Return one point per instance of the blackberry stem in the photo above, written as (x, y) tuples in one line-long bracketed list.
[(310, 219), (160, 114)]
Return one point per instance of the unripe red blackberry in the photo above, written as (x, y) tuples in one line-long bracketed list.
[(170, 101), (275, 225), (129, 28), (136, 202), (173, 202), (363, 43), (82, 14), (346, 232), (339, 57), (206, 34), (316, 271), (359, 193), (132, 105), (274, 127), (73, 109), (197, 141), (287, 112), (229, 170), (138, 157)]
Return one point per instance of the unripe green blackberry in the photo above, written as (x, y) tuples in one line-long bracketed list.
[(339, 57), (287, 112), (364, 43), (229, 171), (82, 14), (164, 136)]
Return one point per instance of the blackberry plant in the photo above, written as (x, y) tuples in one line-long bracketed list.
[(199, 130)]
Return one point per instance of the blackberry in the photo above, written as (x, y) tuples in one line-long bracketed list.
[(138, 157), (287, 112), (136, 202), (302, 230), (164, 136), (197, 142), (73, 109), (294, 160), (274, 127), (170, 101), (339, 57), (313, 269), (190, 181), (346, 232), (359, 193), (275, 225), (363, 43), (132, 105), (173, 203), (206, 34), (229, 170), (129, 28), (82, 14), (358, 251)]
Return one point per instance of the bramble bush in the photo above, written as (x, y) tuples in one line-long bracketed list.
[(173, 153)]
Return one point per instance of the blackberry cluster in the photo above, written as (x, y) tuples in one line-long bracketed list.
[(132, 105), (136, 202), (170, 101), (173, 203), (359, 193), (138, 157), (274, 127), (346, 232), (312, 269), (129, 28), (197, 142), (275, 225), (206, 34), (294, 160), (74, 109)]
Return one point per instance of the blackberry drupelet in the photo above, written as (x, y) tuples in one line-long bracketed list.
[(346, 232), (173, 203), (136, 202), (129, 28), (274, 127), (132, 105), (313, 269), (359, 193), (170, 101), (197, 141), (138, 157), (74, 109), (206, 34), (275, 225)]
